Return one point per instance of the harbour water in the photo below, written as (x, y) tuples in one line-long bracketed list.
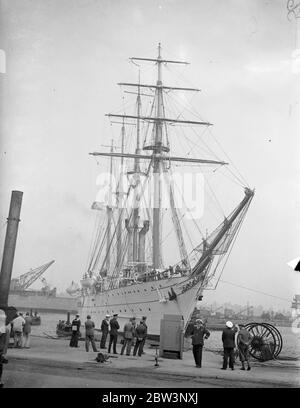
[(290, 348)]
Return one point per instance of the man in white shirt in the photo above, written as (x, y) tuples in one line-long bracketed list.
[(2, 343), (6, 317), (17, 325)]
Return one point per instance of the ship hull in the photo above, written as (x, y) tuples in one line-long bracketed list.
[(150, 299), (27, 300)]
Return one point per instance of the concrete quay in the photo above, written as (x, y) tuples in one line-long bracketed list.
[(52, 363)]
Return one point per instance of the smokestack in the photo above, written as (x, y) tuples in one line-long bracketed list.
[(10, 246)]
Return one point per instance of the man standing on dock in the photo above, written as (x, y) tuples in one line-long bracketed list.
[(17, 325), (104, 329), (228, 339), (198, 333), (243, 342), (3, 334), (114, 327), (141, 333), (143, 321), (27, 331), (76, 323), (89, 334), (129, 331)]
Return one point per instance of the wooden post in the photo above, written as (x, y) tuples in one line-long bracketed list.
[(10, 246)]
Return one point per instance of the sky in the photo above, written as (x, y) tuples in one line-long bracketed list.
[(63, 61)]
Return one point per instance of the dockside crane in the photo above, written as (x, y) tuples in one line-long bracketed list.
[(239, 314), (24, 281)]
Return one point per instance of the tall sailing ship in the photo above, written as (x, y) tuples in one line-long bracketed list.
[(152, 254)]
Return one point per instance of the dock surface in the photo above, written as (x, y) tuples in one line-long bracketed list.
[(52, 363)]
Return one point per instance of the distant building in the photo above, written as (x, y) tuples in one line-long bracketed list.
[(296, 304)]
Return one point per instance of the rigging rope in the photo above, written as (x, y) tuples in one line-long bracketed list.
[(242, 180), (219, 144), (256, 291), (242, 216), (188, 210)]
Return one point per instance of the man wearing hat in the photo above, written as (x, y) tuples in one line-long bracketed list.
[(228, 339), (113, 338), (198, 333), (143, 321), (104, 329), (129, 330), (89, 334), (244, 339), (141, 333), (76, 323)]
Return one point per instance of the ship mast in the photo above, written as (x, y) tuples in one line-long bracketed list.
[(157, 149), (120, 196), (137, 179), (157, 158), (109, 211)]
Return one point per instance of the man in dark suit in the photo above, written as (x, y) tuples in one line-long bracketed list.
[(244, 339), (104, 329), (89, 334), (113, 338), (141, 333), (129, 331), (228, 339), (143, 321)]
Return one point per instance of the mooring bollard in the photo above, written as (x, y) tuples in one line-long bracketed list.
[(156, 356)]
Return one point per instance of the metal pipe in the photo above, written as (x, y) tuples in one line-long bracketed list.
[(10, 246)]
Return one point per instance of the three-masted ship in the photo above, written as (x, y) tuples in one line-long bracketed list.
[(127, 272)]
